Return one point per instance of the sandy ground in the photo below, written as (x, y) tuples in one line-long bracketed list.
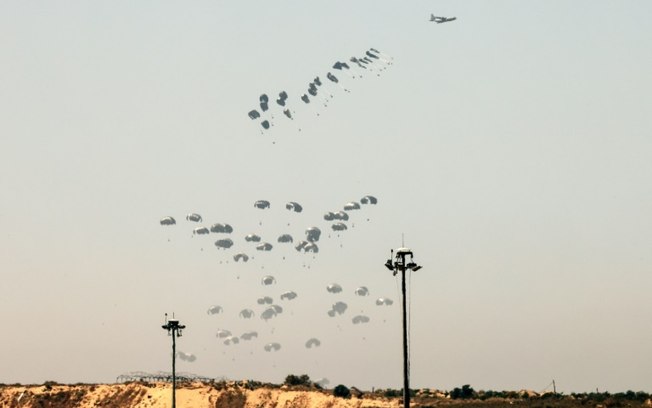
[(141, 395)]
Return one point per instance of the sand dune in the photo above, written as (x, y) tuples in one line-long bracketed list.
[(196, 395)]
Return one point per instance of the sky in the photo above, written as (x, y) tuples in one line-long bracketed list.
[(509, 149)]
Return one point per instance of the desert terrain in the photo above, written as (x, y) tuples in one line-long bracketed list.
[(255, 395)]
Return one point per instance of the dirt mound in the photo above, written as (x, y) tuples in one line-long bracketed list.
[(195, 395)]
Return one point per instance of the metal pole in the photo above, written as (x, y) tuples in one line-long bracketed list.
[(406, 379), (174, 377)]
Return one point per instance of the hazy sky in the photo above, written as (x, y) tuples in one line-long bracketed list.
[(512, 148)]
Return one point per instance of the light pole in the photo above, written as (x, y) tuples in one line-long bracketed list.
[(174, 329), (401, 263)]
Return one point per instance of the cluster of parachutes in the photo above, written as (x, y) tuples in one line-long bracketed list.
[(269, 310), (318, 91), (265, 309), (307, 244)]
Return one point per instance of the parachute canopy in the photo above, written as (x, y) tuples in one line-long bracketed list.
[(221, 228), (252, 238), (194, 217), (215, 309), (288, 295), (168, 221), (360, 319), (268, 280), (224, 243), (265, 246), (369, 200), (313, 342), (294, 206), (272, 347), (240, 257), (334, 288), (362, 291), (262, 204)]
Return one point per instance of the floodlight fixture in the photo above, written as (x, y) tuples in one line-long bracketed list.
[(174, 329), (403, 262)]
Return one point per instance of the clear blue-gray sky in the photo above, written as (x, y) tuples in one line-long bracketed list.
[(512, 148)]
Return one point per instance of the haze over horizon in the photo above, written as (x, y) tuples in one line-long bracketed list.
[(511, 148)]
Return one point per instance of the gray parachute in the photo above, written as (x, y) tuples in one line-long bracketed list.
[(194, 217), (265, 246), (289, 295), (262, 204), (272, 347), (334, 288), (215, 309), (168, 221), (369, 200), (294, 206), (285, 238), (252, 238), (241, 257), (313, 342), (265, 300), (221, 228), (224, 243), (200, 231), (360, 319)]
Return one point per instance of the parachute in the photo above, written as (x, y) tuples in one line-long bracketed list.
[(268, 280), (221, 228), (360, 319), (369, 200), (351, 206), (305, 98), (338, 308), (384, 302), (240, 257), (247, 313), (341, 216), (168, 221), (362, 291), (194, 217), (313, 234), (313, 342), (253, 114), (224, 243), (272, 347), (252, 238), (287, 113), (269, 313), (266, 300), (249, 335), (232, 340), (339, 226), (262, 204), (265, 246), (264, 100), (329, 216), (215, 309), (265, 124), (285, 238), (222, 334), (293, 206), (290, 295), (334, 288), (186, 356), (200, 231)]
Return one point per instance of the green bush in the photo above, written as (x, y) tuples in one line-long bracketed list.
[(342, 391), (297, 380)]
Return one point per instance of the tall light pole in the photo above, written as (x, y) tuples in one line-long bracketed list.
[(401, 264), (174, 329)]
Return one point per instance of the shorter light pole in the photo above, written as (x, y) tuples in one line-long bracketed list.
[(401, 264), (174, 329)]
